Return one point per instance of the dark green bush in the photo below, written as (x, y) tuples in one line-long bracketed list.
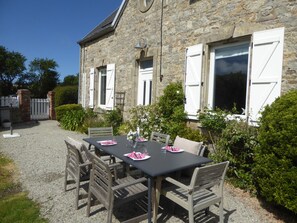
[(191, 134), (73, 120), (236, 144), (113, 118), (276, 156), (61, 110), (66, 95)]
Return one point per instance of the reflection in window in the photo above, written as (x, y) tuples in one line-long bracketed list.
[(103, 86), (230, 78)]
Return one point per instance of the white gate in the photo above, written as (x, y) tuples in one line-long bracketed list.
[(39, 108)]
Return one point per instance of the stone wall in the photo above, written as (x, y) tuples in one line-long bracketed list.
[(187, 23)]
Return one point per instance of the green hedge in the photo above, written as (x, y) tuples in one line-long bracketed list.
[(61, 110), (66, 95), (276, 156)]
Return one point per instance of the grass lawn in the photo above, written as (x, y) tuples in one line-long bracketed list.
[(15, 206)]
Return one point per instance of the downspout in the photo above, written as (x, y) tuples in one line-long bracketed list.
[(161, 41)]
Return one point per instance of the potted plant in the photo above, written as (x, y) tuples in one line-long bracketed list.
[(6, 123)]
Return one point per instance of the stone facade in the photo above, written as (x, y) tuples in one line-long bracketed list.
[(170, 26)]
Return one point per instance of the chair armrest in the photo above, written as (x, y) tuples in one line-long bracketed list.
[(177, 183), (136, 181), (87, 163), (114, 165)]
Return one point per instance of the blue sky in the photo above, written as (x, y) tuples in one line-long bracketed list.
[(51, 28)]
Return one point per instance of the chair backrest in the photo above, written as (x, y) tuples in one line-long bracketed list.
[(101, 181), (160, 137), (209, 176), (102, 131), (189, 145), (73, 159)]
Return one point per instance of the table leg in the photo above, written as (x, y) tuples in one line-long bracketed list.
[(156, 198), (150, 181)]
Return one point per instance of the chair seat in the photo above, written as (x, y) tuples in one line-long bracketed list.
[(129, 191), (201, 199)]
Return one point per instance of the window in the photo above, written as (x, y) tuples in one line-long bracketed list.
[(102, 88), (229, 75), (242, 77), (145, 82), (106, 82)]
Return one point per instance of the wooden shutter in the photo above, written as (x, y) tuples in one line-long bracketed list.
[(110, 77), (266, 70), (83, 90), (92, 74), (193, 80)]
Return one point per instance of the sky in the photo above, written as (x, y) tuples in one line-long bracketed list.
[(51, 28)]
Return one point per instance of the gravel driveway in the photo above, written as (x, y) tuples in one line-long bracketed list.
[(40, 155)]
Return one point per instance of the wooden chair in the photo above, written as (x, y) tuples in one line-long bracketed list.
[(77, 167), (112, 193), (160, 137), (99, 132), (197, 195)]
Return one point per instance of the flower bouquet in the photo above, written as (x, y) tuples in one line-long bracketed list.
[(133, 137)]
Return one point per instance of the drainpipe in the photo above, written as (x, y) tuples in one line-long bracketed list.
[(161, 41)]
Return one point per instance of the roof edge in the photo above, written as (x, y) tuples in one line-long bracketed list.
[(109, 29)]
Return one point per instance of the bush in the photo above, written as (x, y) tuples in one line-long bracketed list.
[(61, 110), (73, 120), (66, 95), (236, 144), (113, 118), (165, 116), (276, 156), (147, 118)]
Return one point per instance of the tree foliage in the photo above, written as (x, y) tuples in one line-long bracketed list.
[(12, 67), (42, 77), (70, 80)]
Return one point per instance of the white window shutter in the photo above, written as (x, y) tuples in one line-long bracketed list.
[(266, 70), (193, 80), (83, 90), (92, 79), (110, 79)]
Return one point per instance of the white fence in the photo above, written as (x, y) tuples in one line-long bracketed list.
[(8, 101), (39, 108)]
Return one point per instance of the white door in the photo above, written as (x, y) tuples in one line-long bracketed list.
[(266, 71), (145, 78), (193, 80)]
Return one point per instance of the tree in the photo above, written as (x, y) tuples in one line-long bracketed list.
[(70, 80), (12, 67), (42, 77)]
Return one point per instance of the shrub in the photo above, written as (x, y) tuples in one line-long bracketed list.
[(147, 118), (276, 156), (73, 120), (165, 116), (113, 118), (66, 95), (236, 144), (61, 110)]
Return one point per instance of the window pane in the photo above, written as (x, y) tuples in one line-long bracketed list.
[(231, 77), (103, 87)]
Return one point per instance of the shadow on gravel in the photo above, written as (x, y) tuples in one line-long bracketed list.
[(21, 125)]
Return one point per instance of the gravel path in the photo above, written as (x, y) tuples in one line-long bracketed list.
[(40, 155)]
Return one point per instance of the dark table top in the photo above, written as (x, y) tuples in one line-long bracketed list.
[(159, 163)]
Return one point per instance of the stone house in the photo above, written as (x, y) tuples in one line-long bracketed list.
[(230, 54)]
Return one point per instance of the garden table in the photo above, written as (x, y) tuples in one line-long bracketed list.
[(160, 163)]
